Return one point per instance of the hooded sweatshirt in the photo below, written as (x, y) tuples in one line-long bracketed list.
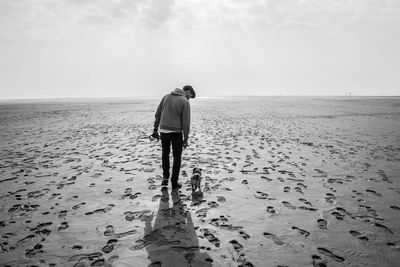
[(173, 113)]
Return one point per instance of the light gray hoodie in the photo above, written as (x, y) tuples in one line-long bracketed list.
[(173, 113)]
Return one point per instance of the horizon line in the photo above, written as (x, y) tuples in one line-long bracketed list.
[(201, 97)]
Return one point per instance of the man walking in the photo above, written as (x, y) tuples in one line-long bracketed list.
[(173, 118)]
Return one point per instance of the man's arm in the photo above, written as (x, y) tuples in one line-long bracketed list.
[(186, 122), (158, 115)]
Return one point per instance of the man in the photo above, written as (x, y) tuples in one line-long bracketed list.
[(173, 118)]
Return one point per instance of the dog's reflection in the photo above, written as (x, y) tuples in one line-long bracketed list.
[(172, 240)]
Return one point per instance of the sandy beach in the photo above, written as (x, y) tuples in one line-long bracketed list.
[(287, 181)]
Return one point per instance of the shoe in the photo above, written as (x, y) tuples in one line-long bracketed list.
[(177, 186), (164, 182)]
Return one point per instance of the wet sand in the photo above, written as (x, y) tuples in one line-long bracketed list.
[(287, 181)]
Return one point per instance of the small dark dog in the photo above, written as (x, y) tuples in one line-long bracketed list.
[(196, 179)]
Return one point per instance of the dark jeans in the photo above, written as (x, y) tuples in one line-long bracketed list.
[(177, 142)]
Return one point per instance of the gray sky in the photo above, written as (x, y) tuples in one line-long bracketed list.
[(117, 48)]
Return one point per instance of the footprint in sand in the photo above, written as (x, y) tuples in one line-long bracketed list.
[(371, 211), (245, 182), (288, 205), (109, 230), (330, 198), (128, 190), (271, 210), (322, 224), (223, 218), (395, 207), (358, 193), (45, 232), (152, 187), (307, 208), (37, 249), (130, 196), (108, 191), (344, 211), (298, 190), (261, 195), (301, 231), (286, 189), (236, 245), (92, 185), (62, 214), (53, 196), (373, 192), (119, 235), (63, 226), (213, 204), (23, 240), (23, 207), (208, 234), (110, 246), (317, 261), (302, 185), (305, 201), (338, 215), (274, 238), (384, 228), (202, 213), (229, 227), (99, 262), (221, 199), (266, 178), (134, 215), (40, 226), (78, 206), (109, 261), (219, 221), (330, 254), (358, 235), (244, 234), (104, 210)]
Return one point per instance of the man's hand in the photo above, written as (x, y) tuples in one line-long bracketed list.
[(185, 144), (155, 136)]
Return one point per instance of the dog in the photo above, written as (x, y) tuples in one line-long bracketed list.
[(195, 180)]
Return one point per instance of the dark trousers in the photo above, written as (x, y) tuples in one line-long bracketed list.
[(174, 139)]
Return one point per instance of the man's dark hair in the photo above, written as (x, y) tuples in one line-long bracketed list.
[(189, 88)]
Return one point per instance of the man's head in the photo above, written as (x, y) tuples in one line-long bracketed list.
[(189, 92)]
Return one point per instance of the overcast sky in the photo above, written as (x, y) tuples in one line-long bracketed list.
[(128, 48)]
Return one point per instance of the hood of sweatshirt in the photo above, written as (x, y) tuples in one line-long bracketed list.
[(178, 91)]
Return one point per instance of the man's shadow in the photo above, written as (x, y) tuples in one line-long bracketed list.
[(172, 240)]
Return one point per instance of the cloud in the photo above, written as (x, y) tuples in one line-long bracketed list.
[(31, 19), (158, 13)]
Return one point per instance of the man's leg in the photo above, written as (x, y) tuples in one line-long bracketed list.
[(165, 144), (177, 143)]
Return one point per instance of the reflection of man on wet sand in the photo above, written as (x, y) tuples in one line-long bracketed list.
[(172, 241)]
